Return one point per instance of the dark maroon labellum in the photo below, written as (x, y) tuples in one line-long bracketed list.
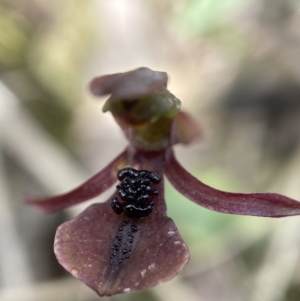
[(123, 244), (135, 192)]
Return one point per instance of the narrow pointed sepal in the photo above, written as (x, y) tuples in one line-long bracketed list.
[(255, 204), (91, 188)]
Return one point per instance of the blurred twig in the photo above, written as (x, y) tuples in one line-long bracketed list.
[(13, 264), (62, 290), (176, 290), (35, 150), (276, 272)]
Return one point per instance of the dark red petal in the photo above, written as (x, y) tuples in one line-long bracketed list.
[(86, 248), (256, 204), (185, 129), (129, 85), (91, 188)]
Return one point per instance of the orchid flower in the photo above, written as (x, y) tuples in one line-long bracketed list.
[(128, 243)]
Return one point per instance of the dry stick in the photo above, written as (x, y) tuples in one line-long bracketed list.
[(14, 265), (63, 290), (40, 155), (14, 269), (35, 150), (176, 290), (47, 162), (276, 272)]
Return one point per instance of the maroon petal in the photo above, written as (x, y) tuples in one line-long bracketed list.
[(256, 204), (129, 85), (113, 254), (185, 129), (91, 188)]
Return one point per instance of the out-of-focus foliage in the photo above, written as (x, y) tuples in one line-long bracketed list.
[(43, 50), (59, 49), (198, 18), (13, 39)]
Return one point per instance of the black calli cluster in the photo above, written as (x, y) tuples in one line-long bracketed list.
[(135, 192)]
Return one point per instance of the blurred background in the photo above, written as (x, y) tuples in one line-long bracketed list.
[(234, 64)]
